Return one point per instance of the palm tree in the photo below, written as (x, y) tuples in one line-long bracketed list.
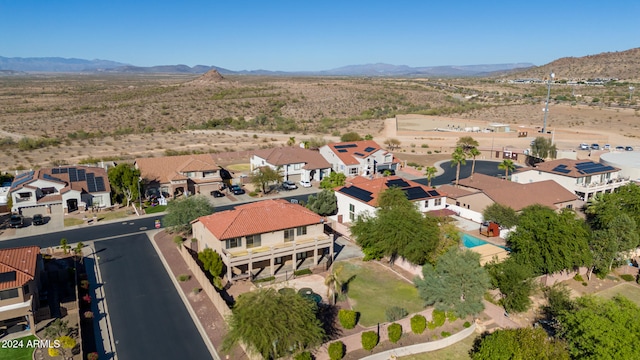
[(507, 165), (430, 173), (333, 283), (473, 152), (458, 158), (467, 143)]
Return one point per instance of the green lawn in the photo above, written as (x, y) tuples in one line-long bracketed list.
[(374, 289), (25, 353), (630, 291), (111, 215), (72, 221), (457, 351), (155, 209)]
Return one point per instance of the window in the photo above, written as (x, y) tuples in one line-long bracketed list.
[(353, 171), (209, 173), (301, 230), (278, 260), (352, 212), (288, 235), (297, 166), (254, 241), (438, 202), (24, 195), (8, 294), (570, 206), (233, 243), (25, 289)]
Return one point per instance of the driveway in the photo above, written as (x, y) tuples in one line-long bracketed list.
[(148, 317), (54, 222)]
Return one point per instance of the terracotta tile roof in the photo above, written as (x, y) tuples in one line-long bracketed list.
[(518, 196), (572, 168), (167, 168), (21, 260), (281, 156), (79, 184), (258, 218), (50, 199), (453, 192), (376, 186), (350, 151)]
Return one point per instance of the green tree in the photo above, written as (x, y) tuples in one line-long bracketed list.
[(332, 181), (64, 245), (350, 136), (595, 328), (182, 211), (398, 229), (325, 203), (264, 175), (501, 214), (467, 143), (548, 242), (333, 283), (603, 208), (212, 262), (613, 242), (123, 179), (457, 283), (430, 172), (543, 148), (507, 165), (392, 143), (458, 158), (273, 323), (524, 343), (515, 283), (474, 152)]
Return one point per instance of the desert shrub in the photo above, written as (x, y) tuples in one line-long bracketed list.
[(184, 277), (424, 146), (336, 350), (438, 317), (431, 325), (267, 279), (584, 283), (196, 290), (347, 318), (466, 324), (395, 332), (305, 355), (302, 272), (253, 194), (578, 277), (178, 240), (418, 324), (451, 316), (445, 334), (369, 340), (395, 313), (413, 164), (627, 277)]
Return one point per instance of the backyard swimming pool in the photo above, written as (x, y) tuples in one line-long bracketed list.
[(470, 241)]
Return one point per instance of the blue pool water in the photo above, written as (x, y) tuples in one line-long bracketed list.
[(470, 241)]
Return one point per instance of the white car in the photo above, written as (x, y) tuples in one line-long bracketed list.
[(305, 183), (584, 146)]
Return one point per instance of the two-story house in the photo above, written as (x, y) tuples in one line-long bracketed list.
[(585, 178), (54, 190), (354, 158), (20, 270), (265, 237), (177, 175), (359, 196), (295, 163)]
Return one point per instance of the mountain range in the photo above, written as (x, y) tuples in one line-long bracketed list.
[(17, 65)]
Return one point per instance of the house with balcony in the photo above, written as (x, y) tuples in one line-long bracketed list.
[(265, 238), (585, 178), (295, 163), (365, 158), (20, 272), (184, 174), (61, 189), (359, 196)]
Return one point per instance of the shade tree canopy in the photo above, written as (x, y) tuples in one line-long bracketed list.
[(524, 343), (123, 179), (182, 211), (325, 203), (501, 214)]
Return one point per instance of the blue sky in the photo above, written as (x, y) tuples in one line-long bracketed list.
[(316, 35)]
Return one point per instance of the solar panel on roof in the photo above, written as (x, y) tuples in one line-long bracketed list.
[(8, 276), (358, 153), (345, 146), (100, 184), (49, 177), (64, 170), (561, 166), (369, 149), (81, 174), (357, 193), (564, 171), (91, 183), (23, 179), (342, 151), (73, 175), (397, 182), (415, 193), (433, 193), (28, 173), (584, 163), (55, 171)]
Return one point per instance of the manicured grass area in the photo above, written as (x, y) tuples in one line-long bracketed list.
[(239, 167), (630, 291), (70, 221), (457, 351), (155, 209), (111, 215), (25, 353), (374, 289)]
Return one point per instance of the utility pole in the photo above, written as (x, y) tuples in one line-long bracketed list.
[(546, 108)]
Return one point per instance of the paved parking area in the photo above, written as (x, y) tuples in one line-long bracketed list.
[(54, 222)]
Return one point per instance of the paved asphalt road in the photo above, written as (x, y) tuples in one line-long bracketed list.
[(482, 167), (148, 317)]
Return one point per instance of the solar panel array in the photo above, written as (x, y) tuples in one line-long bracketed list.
[(369, 149), (346, 146), (415, 193), (397, 182), (561, 169), (74, 174), (28, 173), (22, 179), (94, 183), (53, 178), (342, 150), (358, 153), (357, 193), (590, 167)]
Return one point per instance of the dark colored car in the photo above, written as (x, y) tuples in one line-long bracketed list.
[(217, 194), (237, 190), (16, 221), (628, 148), (38, 219)]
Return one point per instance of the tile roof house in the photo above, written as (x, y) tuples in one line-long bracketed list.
[(585, 178), (67, 189), (271, 235), (353, 158), (474, 195), (296, 163), (20, 271), (176, 175), (360, 196)]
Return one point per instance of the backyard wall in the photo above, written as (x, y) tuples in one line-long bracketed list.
[(549, 280), (410, 267)]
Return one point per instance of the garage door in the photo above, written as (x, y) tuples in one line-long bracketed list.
[(32, 210)]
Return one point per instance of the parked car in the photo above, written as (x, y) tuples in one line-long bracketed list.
[(16, 221), (620, 148), (237, 190), (305, 183), (606, 147), (37, 219), (595, 147), (628, 148), (584, 146), (217, 194), (289, 185)]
